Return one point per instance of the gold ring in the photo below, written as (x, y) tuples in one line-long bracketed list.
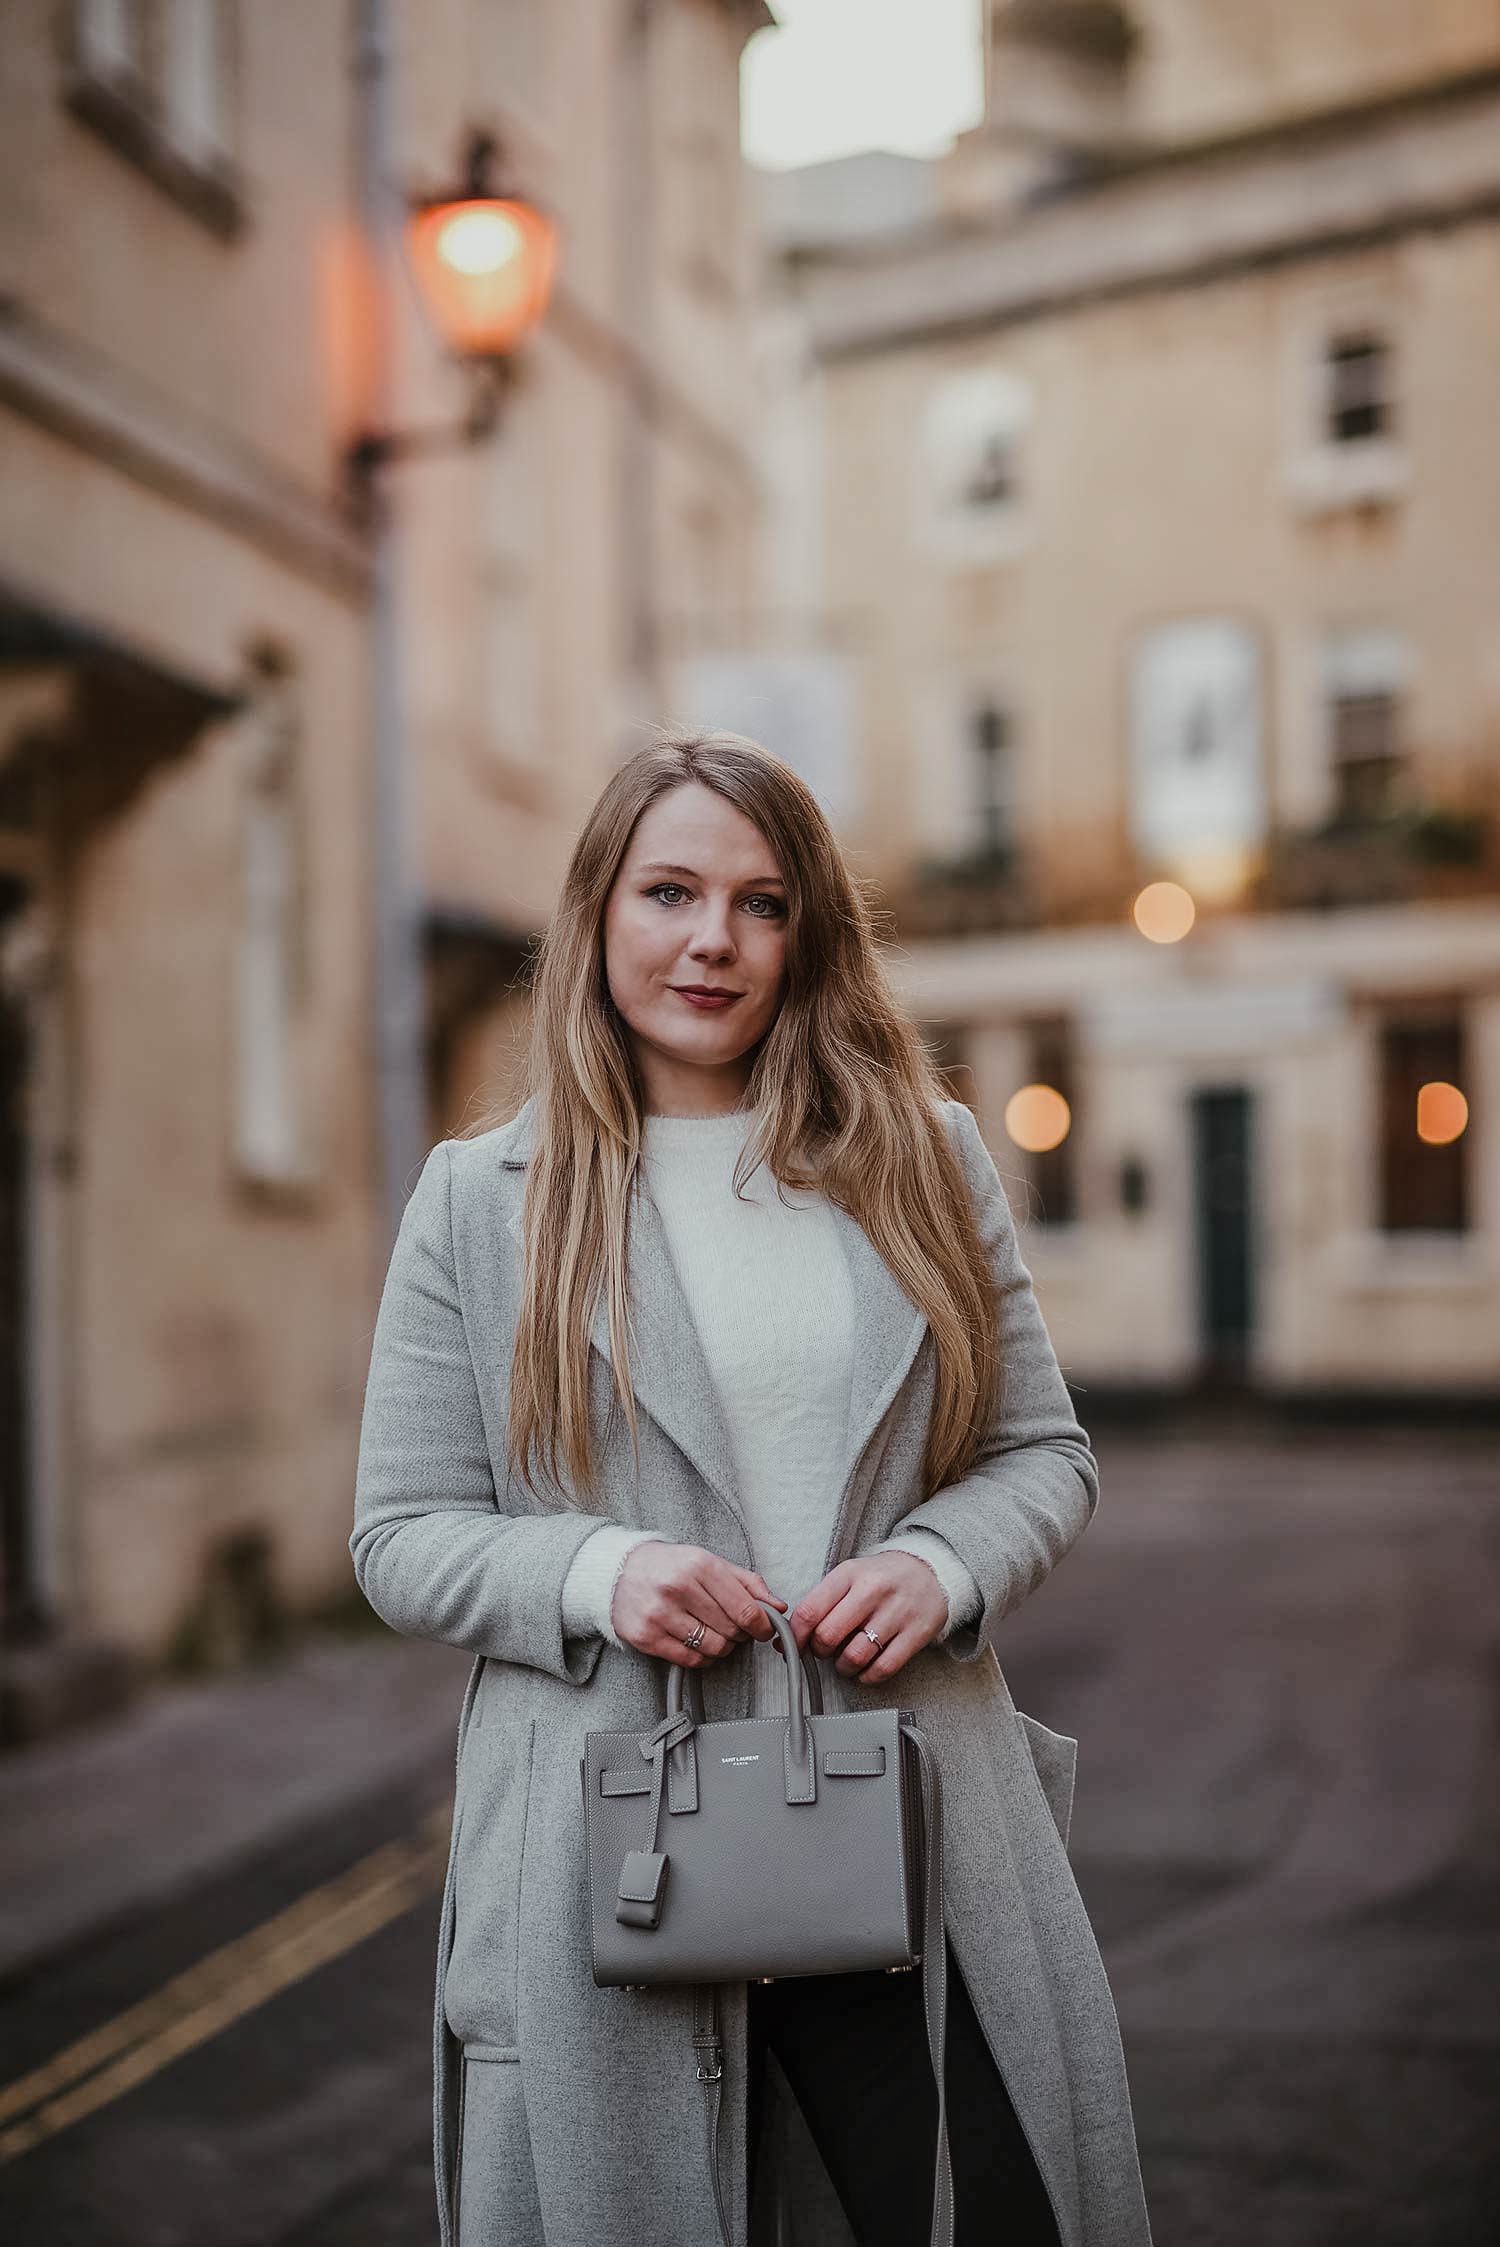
[(880, 1642)]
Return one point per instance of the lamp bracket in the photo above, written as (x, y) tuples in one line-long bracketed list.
[(375, 449)]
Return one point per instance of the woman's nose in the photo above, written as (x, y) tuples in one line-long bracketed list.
[(712, 936)]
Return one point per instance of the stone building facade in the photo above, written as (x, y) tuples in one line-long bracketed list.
[(1137, 462), (191, 1233)]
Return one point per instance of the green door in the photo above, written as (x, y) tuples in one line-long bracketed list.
[(1224, 1205)]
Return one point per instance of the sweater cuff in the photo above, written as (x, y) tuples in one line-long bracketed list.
[(589, 1587), (959, 1588)]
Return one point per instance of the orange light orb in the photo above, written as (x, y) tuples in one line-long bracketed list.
[(1037, 1118), (485, 266), (1442, 1113), (1164, 912)]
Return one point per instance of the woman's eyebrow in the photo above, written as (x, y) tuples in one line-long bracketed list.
[(756, 881)]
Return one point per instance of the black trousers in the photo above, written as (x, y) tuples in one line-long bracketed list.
[(853, 2047)]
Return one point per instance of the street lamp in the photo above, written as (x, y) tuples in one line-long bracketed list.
[(483, 259)]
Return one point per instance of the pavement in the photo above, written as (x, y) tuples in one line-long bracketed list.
[(104, 1827)]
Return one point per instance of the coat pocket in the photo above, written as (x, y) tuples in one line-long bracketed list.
[(1055, 1757), (494, 1787)]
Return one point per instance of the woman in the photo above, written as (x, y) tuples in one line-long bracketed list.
[(612, 1409)]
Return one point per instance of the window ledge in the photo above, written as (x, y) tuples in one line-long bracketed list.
[(1376, 1263), (289, 1193), (1329, 477), (121, 113), (963, 542)]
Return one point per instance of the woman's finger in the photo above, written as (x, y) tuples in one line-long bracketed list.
[(731, 1605), (898, 1652), (675, 1641), (861, 1653), (857, 1605)]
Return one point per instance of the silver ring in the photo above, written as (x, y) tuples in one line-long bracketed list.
[(694, 1638), (880, 1642)]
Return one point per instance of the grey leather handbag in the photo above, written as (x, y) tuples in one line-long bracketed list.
[(748, 1848)]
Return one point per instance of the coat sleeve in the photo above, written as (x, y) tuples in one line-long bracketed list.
[(434, 1553), (1033, 1487)]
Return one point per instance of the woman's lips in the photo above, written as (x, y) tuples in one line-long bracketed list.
[(709, 1006)]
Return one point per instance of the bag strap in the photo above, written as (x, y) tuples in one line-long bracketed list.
[(708, 2051), (708, 2054)]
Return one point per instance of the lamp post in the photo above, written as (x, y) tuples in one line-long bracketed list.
[(483, 258)]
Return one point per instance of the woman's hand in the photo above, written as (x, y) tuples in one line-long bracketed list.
[(896, 1594), (664, 1591)]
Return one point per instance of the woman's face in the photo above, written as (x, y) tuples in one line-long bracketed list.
[(699, 903)]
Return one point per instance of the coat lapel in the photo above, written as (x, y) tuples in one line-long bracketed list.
[(888, 1331), (669, 1372)]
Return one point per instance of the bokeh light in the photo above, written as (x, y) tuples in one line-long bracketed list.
[(1442, 1113), (1037, 1118), (1164, 912)]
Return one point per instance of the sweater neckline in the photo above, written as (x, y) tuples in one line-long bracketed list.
[(723, 1116), (678, 1131)]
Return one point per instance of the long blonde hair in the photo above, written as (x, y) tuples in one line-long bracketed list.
[(847, 1090)]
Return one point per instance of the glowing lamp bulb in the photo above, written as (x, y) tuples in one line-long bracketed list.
[(478, 241)]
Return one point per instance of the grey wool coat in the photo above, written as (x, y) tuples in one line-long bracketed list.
[(570, 2116)]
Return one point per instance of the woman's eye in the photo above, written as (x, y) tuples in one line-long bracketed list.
[(762, 897)]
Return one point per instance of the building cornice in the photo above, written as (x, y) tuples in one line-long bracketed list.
[(87, 399), (1174, 219), (101, 408)]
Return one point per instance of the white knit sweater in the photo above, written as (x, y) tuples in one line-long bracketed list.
[(768, 1286)]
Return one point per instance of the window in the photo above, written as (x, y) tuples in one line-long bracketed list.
[(271, 964), (155, 78), (1341, 347), (1197, 751), (196, 78), (990, 739), (1423, 1124), (970, 457), (990, 478), (1358, 379), (111, 38), (1365, 674), (1366, 755)]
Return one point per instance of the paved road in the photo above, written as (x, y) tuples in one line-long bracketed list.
[(1281, 1660)]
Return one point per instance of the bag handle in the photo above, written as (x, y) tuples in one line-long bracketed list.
[(685, 1687)]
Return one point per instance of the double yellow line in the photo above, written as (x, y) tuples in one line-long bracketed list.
[(223, 1987)]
